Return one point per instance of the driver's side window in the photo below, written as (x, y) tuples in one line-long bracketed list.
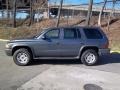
[(52, 34)]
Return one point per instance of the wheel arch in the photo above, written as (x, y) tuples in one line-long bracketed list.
[(88, 47), (26, 47)]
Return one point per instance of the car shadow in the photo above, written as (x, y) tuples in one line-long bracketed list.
[(107, 59), (56, 62)]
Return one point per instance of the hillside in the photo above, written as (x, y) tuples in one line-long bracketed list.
[(24, 31)]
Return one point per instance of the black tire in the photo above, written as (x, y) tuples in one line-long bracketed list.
[(22, 57), (89, 57)]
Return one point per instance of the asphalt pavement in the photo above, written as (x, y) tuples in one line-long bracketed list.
[(13, 76), (73, 78)]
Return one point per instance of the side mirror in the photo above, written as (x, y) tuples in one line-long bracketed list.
[(43, 37)]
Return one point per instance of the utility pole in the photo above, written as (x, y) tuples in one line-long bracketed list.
[(59, 13), (14, 13), (89, 12)]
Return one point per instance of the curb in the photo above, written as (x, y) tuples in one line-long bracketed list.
[(3, 40), (114, 51)]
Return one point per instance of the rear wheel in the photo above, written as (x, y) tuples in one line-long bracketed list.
[(22, 57), (89, 57)]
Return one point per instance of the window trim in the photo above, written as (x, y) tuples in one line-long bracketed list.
[(78, 31)]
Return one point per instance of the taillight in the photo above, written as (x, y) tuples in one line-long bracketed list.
[(106, 45)]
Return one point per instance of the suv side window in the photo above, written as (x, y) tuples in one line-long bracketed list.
[(70, 33), (53, 34), (92, 33)]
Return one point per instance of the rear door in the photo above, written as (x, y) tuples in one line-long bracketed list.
[(70, 43)]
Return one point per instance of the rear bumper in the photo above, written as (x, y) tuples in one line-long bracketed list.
[(104, 51), (8, 52)]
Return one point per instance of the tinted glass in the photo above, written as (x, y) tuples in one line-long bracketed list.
[(70, 33), (52, 34), (92, 33)]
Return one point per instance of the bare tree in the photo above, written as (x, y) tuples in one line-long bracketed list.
[(7, 8), (111, 13), (100, 15), (59, 13), (36, 6), (89, 12), (48, 9), (31, 12), (40, 5), (14, 13)]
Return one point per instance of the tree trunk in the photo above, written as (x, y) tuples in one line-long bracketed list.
[(100, 15), (113, 8), (59, 12), (48, 10), (89, 12), (31, 13), (14, 13), (38, 14), (7, 9), (2, 13), (111, 14)]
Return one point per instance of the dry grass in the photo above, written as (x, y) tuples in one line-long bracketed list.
[(14, 33)]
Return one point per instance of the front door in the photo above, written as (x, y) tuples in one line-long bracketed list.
[(48, 47)]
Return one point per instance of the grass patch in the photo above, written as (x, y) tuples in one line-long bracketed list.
[(115, 45), (14, 33)]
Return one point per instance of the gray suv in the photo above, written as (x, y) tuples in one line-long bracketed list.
[(83, 43)]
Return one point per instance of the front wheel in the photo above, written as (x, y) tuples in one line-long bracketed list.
[(22, 57), (89, 57)]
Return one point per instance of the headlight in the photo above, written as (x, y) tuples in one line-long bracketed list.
[(8, 45)]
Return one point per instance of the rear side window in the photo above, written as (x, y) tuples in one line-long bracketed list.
[(92, 33), (70, 33)]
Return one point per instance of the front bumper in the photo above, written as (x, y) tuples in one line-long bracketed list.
[(8, 52), (104, 51)]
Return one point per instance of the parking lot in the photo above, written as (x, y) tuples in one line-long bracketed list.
[(13, 76)]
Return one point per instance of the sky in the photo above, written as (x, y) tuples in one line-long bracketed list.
[(74, 1), (78, 2)]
